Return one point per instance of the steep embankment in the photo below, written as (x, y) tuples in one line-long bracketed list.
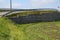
[(32, 31), (9, 31)]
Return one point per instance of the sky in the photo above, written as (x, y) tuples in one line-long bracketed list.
[(30, 4)]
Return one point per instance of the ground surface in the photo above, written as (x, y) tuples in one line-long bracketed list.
[(32, 31)]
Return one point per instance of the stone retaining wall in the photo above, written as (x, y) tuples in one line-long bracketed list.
[(36, 18)]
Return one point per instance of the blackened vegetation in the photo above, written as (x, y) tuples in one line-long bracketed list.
[(37, 17)]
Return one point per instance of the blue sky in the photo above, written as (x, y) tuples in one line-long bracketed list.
[(27, 4)]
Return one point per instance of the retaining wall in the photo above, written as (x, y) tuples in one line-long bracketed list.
[(36, 18)]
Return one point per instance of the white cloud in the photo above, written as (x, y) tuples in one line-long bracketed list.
[(1, 1), (32, 3), (17, 5), (3, 4), (40, 3), (14, 5)]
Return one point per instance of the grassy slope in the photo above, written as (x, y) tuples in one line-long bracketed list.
[(42, 31), (9, 31), (32, 31)]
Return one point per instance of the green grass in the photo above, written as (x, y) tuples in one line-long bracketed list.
[(10, 29), (33, 31), (38, 12)]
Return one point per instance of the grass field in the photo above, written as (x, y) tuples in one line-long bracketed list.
[(33, 31)]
